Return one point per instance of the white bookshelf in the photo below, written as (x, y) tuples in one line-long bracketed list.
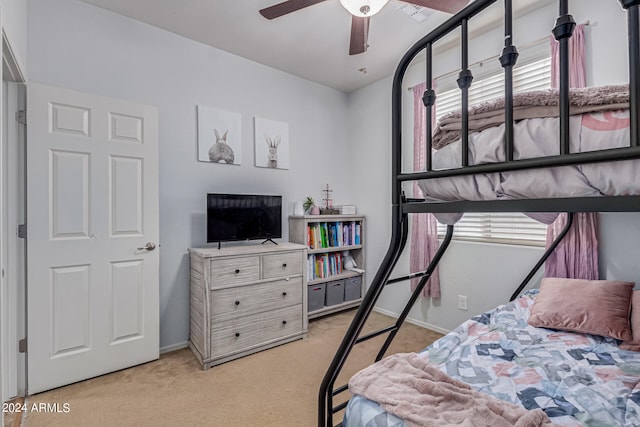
[(299, 233)]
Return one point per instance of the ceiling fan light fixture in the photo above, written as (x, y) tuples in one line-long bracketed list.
[(363, 8)]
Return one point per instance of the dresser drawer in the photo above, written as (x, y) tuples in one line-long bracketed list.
[(240, 334), (250, 299), (234, 271), (281, 265)]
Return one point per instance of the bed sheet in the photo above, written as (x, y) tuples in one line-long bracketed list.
[(576, 379), (538, 138)]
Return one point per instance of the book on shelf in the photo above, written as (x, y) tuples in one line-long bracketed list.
[(323, 266), (322, 235)]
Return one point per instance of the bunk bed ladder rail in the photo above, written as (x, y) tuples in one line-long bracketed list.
[(326, 409), (633, 27), (326, 393)]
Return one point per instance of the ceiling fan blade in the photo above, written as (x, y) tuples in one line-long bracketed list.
[(286, 7), (359, 35), (449, 6)]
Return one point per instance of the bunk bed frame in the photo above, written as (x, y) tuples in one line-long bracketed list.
[(403, 206)]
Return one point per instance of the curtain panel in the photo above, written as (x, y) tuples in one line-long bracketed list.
[(424, 228), (577, 255)]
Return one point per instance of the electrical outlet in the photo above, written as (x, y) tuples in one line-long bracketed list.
[(462, 302)]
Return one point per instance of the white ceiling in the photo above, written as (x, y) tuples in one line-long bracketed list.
[(312, 43)]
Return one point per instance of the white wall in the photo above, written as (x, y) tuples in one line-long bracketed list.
[(369, 136), (122, 58), (486, 273), (14, 23), (78, 46)]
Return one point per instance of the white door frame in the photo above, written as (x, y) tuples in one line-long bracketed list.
[(12, 308), (4, 163)]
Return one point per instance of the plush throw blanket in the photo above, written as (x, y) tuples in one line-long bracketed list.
[(530, 105), (408, 386)]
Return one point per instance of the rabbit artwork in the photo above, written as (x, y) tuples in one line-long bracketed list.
[(220, 151), (272, 155)]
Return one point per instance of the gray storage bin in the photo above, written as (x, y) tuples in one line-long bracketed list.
[(352, 288), (334, 293), (316, 297)]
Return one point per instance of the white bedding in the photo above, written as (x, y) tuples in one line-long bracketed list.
[(537, 138)]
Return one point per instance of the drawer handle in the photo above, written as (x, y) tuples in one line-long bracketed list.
[(284, 294), (237, 270), (284, 322), (237, 334), (284, 265), (237, 302)]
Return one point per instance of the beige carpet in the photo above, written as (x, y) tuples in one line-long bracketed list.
[(276, 387)]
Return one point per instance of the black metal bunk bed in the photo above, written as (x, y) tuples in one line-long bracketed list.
[(403, 206)]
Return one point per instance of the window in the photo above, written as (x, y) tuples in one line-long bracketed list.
[(534, 73), (506, 228)]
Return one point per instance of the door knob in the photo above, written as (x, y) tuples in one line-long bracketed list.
[(149, 246)]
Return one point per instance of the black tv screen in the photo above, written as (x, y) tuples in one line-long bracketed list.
[(243, 217)]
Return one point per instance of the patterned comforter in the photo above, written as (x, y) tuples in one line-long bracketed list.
[(576, 379)]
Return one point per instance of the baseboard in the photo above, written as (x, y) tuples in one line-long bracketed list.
[(413, 321), (174, 347)]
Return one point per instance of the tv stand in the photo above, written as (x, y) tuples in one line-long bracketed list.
[(268, 240)]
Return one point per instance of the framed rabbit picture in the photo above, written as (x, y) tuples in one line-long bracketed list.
[(219, 138), (271, 139)]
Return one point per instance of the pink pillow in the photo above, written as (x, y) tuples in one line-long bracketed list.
[(634, 343), (598, 307)]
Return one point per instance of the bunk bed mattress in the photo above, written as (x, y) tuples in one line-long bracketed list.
[(577, 379), (537, 137)]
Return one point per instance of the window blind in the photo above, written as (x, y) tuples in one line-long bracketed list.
[(506, 228), (535, 75)]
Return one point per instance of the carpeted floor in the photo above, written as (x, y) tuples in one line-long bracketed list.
[(276, 387)]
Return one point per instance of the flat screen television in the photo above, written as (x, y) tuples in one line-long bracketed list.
[(233, 217)]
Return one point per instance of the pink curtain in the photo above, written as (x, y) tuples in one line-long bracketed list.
[(424, 228), (577, 255), (577, 61)]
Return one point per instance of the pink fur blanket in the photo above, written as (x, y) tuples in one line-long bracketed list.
[(411, 388), (530, 105)]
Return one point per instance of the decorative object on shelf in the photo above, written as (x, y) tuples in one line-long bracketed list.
[(346, 209), (219, 136), (328, 208), (350, 263), (271, 139), (309, 204), (298, 208)]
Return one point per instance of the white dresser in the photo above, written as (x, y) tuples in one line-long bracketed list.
[(246, 299)]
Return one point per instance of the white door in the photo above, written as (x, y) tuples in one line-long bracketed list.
[(92, 236)]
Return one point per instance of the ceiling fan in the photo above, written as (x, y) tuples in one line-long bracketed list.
[(361, 11)]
